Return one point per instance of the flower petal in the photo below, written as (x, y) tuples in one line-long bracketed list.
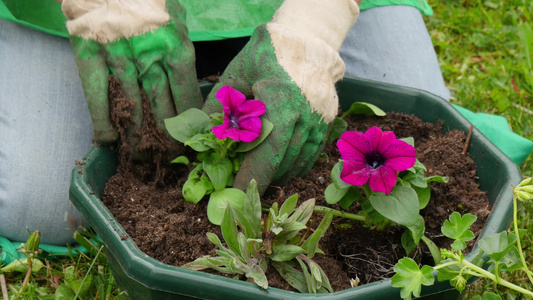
[(347, 146), (220, 130), (250, 108), (383, 180), (371, 140), (400, 156), (249, 129), (230, 97), (354, 173)]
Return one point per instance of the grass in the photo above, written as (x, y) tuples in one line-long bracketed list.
[(485, 50)]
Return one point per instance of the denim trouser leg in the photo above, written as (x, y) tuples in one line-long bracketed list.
[(391, 44), (44, 127)]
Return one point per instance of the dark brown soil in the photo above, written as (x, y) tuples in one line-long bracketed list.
[(146, 199)]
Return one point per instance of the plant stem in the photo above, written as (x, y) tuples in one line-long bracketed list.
[(518, 243), (484, 273), (27, 278), (338, 213), (4, 286)]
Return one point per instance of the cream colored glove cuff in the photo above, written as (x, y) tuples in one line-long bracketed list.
[(328, 20), (108, 20)]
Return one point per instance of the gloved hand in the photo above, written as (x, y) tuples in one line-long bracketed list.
[(291, 64), (143, 43)]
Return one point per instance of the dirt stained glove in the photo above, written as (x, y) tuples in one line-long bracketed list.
[(143, 43), (291, 64)]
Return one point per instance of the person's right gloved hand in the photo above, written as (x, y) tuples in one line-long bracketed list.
[(142, 43), (291, 64)]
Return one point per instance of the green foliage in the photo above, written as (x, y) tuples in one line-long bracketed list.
[(502, 248), (484, 50), (401, 207), (254, 243), (217, 162), (79, 276), (458, 229)]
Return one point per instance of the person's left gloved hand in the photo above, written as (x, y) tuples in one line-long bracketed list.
[(145, 45), (291, 64)]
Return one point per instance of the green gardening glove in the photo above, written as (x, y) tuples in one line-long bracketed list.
[(291, 64), (145, 45)]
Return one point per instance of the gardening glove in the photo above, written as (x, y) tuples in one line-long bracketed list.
[(291, 64), (142, 43)]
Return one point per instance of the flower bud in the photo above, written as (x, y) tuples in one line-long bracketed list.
[(460, 282), (523, 196), (31, 248), (526, 181)]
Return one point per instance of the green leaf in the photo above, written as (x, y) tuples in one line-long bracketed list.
[(443, 179), (334, 194), (220, 199), (303, 213), (80, 286), (266, 128), (424, 195), (336, 176), (363, 108), (63, 292), (458, 228), (311, 244), (258, 276), (198, 143), (285, 252), (219, 171), (252, 208), (410, 278), (400, 206), (295, 278), (497, 245), (188, 124), (338, 127), (229, 229), (289, 205), (354, 194), (21, 266), (408, 243), (194, 188)]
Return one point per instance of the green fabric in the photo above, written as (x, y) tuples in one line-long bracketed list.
[(299, 132), (8, 251), (207, 20), (497, 130), (421, 5), (44, 15)]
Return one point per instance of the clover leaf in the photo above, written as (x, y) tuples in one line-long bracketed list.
[(458, 228), (410, 278)]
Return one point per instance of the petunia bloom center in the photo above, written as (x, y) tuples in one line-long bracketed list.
[(234, 121), (375, 159)]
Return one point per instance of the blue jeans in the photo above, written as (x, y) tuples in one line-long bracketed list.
[(391, 44), (44, 127), (45, 124)]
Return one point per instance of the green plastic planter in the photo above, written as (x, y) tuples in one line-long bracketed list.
[(143, 277)]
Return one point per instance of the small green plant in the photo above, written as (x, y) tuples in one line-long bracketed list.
[(280, 239), (221, 142), (503, 249)]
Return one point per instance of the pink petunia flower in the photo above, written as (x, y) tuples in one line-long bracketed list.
[(375, 157), (241, 116)]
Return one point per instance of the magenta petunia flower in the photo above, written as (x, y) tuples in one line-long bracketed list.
[(241, 116), (375, 157)]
